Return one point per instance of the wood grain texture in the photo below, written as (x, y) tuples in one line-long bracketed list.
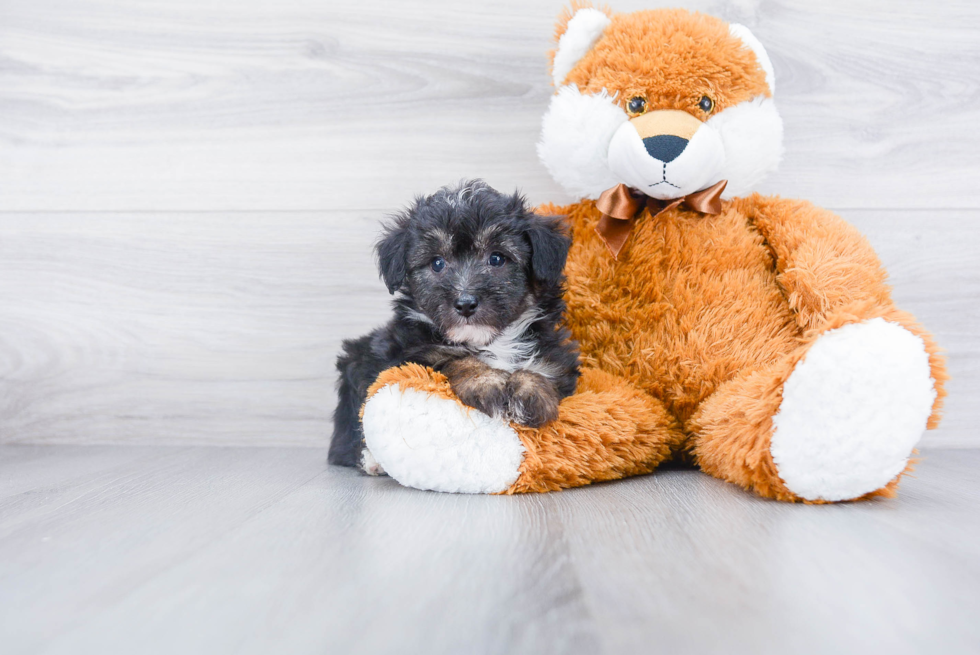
[(179, 328), (257, 550), (158, 306), (301, 105), (223, 328)]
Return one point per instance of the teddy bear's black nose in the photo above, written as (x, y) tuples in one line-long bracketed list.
[(466, 305), (665, 147)]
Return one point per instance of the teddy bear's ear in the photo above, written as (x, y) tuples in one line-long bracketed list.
[(577, 31), (753, 44)]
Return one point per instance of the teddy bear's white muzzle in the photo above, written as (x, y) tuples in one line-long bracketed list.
[(666, 166)]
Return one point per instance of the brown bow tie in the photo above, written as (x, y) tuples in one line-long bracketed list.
[(621, 204)]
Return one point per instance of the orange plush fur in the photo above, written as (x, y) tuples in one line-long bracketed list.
[(688, 337), (646, 54)]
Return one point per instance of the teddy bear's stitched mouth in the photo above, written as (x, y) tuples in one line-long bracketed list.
[(664, 180)]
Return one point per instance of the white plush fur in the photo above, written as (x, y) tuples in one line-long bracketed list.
[(575, 135), (694, 169), (752, 136), (748, 38), (852, 411), (433, 443), (581, 33)]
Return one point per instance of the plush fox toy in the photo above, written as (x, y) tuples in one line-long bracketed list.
[(753, 336)]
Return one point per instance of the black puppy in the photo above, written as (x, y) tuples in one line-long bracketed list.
[(478, 283)]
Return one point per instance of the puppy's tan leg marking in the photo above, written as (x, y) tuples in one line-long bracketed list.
[(532, 399), (478, 385)]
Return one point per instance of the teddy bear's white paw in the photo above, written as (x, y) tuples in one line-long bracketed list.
[(429, 442), (852, 411)]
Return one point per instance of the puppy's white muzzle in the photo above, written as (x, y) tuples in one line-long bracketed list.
[(666, 154)]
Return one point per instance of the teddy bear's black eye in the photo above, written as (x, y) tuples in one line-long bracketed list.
[(636, 105), (438, 263), (496, 259), (706, 104)]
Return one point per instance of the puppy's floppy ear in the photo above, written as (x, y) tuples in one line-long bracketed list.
[(392, 249), (549, 246)]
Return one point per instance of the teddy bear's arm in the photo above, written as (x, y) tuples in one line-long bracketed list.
[(824, 264), (831, 275)]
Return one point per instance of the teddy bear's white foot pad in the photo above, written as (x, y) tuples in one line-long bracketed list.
[(852, 411), (428, 442)]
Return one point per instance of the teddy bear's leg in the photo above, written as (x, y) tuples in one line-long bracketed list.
[(837, 419), (608, 430), (425, 438)]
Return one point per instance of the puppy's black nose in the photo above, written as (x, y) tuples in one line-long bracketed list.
[(466, 305), (665, 147)]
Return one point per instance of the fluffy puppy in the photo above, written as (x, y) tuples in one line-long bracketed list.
[(477, 279)]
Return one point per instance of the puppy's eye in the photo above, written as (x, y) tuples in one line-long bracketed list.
[(636, 106), (496, 259), (437, 264), (706, 104)]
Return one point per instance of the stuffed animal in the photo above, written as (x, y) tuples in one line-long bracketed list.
[(753, 336)]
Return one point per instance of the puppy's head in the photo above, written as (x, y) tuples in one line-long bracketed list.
[(472, 259)]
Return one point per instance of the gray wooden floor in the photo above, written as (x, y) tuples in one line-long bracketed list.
[(128, 549)]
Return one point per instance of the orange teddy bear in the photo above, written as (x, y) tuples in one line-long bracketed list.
[(753, 336)]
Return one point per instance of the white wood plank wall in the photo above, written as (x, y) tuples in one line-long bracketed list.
[(189, 188)]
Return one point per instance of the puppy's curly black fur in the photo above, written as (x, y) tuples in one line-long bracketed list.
[(477, 278)]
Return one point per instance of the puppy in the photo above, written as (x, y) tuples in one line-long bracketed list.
[(477, 279)]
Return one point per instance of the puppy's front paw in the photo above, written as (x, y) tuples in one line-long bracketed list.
[(370, 465), (478, 385), (532, 399)]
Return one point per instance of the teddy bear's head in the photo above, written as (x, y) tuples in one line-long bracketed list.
[(666, 101)]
